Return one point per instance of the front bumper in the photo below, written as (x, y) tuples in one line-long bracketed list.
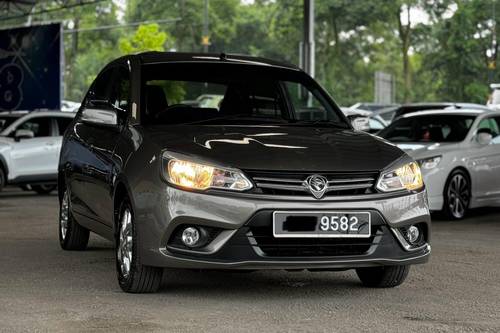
[(245, 218)]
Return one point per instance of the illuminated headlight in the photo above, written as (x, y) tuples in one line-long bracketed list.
[(429, 163), (406, 177), (201, 177)]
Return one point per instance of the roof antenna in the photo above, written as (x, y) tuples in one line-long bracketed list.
[(223, 56)]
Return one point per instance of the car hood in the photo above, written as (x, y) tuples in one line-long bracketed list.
[(424, 150), (278, 148)]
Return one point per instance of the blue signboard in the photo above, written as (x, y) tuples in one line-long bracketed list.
[(30, 68)]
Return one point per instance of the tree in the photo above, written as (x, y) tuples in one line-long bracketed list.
[(146, 38)]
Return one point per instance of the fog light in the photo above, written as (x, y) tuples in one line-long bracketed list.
[(413, 234), (190, 236)]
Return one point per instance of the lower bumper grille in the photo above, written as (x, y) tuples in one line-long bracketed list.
[(262, 239)]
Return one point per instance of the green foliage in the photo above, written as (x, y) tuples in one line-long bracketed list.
[(447, 57), (146, 38)]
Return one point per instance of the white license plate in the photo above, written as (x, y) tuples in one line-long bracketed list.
[(318, 224)]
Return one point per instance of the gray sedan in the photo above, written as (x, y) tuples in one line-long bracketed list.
[(459, 154)]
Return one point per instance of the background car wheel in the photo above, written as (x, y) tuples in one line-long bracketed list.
[(2, 179), (457, 195), (133, 277), (43, 189), (72, 236), (383, 276)]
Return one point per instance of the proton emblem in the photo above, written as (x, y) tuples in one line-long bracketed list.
[(317, 185)]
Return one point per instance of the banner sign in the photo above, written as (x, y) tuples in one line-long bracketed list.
[(31, 68)]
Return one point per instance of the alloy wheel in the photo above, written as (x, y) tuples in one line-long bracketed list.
[(125, 242), (64, 216), (458, 196)]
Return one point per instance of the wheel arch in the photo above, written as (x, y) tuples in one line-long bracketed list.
[(121, 191)]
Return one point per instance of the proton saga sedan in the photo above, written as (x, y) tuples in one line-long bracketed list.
[(273, 176)]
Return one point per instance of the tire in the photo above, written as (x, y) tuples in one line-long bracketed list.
[(457, 194), (72, 236), (383, 276), (43, 189), (2, 179), (133, 277)]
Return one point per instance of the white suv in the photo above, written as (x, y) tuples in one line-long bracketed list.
[(29, 148)]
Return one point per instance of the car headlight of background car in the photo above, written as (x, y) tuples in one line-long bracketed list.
[(430, 162), (197, 176), (407, 176)]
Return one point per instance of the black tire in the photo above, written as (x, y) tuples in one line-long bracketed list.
[(43, 189), (139, 278), (2, 179), (76, 237), (457, 195), (383, 276)]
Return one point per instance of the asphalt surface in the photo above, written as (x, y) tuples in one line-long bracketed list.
[(43, 288)]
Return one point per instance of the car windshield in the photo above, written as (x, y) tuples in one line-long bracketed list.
[(201, 93), (5, 122), (429, 128)]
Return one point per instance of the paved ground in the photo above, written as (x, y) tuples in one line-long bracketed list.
[(43, 288)]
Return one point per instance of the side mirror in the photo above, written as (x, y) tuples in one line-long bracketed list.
[(23, 134), (484, 138), (100, 113)]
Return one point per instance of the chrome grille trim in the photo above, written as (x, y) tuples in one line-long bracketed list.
[(279, 183)]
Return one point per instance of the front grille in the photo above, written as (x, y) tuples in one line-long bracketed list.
[(262, 238), (293, 183)]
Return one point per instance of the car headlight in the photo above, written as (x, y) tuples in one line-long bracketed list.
[(429, 163), (406, 177), (201, 177)]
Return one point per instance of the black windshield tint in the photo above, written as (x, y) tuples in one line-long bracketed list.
[(429, 128), (230, 93)]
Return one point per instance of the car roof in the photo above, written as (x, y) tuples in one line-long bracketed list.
[(449, 112), (155, 57), (19, 114)]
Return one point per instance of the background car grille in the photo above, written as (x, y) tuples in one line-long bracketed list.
[(262, 237), (291, 183)]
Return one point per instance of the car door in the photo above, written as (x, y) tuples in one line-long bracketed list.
[(32, 157), (484, 161), (94, 169)]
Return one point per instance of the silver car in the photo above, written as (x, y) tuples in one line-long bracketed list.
[(29, 148), (459, 154)]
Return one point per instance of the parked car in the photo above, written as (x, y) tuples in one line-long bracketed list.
[(29, 148), (459, 154), (275, 178), (364, 120), (392, 113), (369, 106)]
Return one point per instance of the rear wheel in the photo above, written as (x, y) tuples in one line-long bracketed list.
[(43, 189), (457, 195), (383, 276), (72, 236), (133, 277)]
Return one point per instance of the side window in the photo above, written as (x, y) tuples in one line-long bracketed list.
[(496, 139), (120, 90), (40, 126), (491, 125), (62, 124)]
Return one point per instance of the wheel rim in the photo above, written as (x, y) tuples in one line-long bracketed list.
[(458, 196), (125, 243), (64, 217)]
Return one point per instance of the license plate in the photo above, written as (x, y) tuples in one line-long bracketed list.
[(332, 224)]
